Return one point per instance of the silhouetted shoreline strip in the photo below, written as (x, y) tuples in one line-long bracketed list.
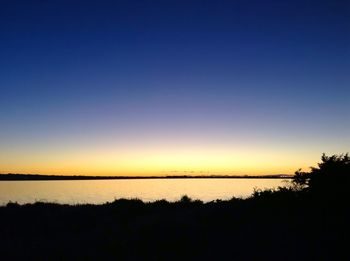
[(14, 177)]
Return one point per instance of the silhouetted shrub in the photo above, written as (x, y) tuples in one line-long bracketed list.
[(185, 199), (331, 177), (12, 204)]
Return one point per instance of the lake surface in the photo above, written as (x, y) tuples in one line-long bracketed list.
[(101, 191)]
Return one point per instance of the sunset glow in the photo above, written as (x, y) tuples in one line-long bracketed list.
[(130, 89)]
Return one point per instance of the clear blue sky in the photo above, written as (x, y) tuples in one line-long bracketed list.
[(94, 87)]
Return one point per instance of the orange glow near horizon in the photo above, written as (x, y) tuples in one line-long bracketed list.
[(177, 88), (159, 161)]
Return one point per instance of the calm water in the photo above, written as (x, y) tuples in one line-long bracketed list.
[(101, 191)]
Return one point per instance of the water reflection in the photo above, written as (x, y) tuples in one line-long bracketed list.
[(100, 191)]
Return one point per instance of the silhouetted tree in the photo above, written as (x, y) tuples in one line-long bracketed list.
[(331, 175)]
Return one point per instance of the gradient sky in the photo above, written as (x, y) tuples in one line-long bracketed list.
[(172, 87)]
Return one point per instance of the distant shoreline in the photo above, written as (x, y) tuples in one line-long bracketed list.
[(28, 177)]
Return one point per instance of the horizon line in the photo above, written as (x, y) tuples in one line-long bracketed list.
[(17, 176)]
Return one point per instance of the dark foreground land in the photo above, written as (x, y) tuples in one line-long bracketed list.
[(266, 228), (307, 221)]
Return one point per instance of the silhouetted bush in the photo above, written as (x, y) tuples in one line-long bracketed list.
[(331, 177)]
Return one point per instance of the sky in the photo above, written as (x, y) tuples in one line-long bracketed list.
[(172, 87)]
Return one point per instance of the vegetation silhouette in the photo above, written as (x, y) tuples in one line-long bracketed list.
[(305, 220), (332, 174)]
